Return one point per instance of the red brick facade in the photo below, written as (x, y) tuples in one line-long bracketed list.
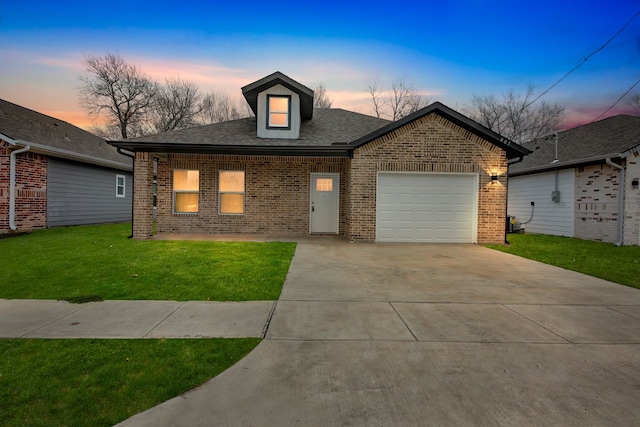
[(277, 188), (31, 190)]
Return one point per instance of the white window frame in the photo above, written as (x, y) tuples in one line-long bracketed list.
[(269, 112), (220, 193), (173, 208), (123, 186)]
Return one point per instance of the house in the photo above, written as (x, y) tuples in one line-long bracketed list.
[(587, 189), (53, 174), (292, 170)]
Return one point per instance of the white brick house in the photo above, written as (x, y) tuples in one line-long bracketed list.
[(594, 178)]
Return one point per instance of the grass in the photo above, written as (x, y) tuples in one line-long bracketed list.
[(103, 382), (100, 262), (603, 260)]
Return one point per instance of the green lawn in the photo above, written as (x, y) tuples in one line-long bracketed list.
[(102, 382), (100, 261), (603, 260)]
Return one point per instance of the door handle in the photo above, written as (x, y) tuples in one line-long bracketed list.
[(313, 209)]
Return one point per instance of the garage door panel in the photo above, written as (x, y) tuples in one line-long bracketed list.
[(420, 207)]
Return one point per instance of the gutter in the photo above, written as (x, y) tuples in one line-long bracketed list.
[(620, 199)]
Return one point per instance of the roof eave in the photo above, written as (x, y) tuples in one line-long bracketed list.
[(567, 164), (512, 149), (70, 155), (264, 150)]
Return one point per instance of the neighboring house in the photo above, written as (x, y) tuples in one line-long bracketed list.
[(53, 173), (296, 171), (583, 193)]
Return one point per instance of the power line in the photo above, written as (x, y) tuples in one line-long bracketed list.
[(585, 59), (615, 103)]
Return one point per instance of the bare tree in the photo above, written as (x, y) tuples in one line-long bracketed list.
[(514, 116), (219, 107), (117, 90), (320, 97), (177, 106), (375, 89), (403, 99), (634, 102)]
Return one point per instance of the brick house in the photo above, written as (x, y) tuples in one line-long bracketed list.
[(589, 189), (54, 174), (292, 170)]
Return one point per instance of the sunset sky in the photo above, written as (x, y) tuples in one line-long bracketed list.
[(449, 50)]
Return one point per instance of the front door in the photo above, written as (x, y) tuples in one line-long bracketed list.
[(325, 203)]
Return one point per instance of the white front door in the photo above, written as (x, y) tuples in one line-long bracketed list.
[(325, 203)]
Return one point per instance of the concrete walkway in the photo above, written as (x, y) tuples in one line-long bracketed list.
[(133, 319)]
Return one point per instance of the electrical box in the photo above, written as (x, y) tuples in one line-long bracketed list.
[(555, 196)]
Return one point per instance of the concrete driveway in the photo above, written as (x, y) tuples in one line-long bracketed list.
[(405, 335)]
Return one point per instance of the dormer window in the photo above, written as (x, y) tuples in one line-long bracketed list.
[(279, 111)]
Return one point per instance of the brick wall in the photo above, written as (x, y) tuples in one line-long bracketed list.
[(430, 144), (596, 205), (31, 190), (142, 196), (276, 194), (632, 201)]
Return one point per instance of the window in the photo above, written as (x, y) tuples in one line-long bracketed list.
[(323, 184), (120, 183), (279, 107), (186, 185), (231, 192)]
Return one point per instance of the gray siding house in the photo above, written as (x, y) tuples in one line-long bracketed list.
[(587, 189), (55, 174)]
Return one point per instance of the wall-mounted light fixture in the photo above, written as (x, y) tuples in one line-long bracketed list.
[(634, 183), (494, 177)]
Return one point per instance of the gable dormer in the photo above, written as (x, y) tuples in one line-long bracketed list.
[(280, 105)]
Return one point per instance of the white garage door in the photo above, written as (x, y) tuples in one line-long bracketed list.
[(429, 208)]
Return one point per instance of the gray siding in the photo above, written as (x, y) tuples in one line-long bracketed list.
[(79, 193), (548, 217)]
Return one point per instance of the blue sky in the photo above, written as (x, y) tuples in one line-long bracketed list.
[(449, 50)]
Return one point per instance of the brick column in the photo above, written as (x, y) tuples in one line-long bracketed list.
[(143, 196)]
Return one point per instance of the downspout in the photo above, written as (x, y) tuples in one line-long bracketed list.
[(12, 186), (620, 200), (133, 185)]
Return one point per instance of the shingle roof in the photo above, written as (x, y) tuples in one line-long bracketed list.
[(591, 143), (329, 126), (332, 132), (30, 127)]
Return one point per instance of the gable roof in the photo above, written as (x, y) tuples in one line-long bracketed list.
[(512, 149), (329, 133), (592, 143), (332, 132), (252, 90), (54, 137)]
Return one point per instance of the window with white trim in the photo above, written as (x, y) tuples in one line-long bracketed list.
[(186, 188), (279, 111), (121, 181), (231, 192)]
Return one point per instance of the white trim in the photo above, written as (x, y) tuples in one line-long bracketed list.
[(124, 185), (243, 193), (476, 191)]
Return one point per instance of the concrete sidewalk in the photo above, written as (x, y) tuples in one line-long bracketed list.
[(134, 319)]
